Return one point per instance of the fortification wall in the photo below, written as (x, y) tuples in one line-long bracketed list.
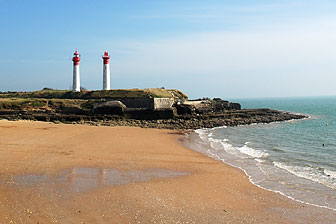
[(163, 103), (146, 103)]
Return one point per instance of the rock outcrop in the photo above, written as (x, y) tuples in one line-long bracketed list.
[(183, 115), (154, 108)]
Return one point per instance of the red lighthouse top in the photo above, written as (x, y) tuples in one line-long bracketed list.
[(106, 57), (76, 58)]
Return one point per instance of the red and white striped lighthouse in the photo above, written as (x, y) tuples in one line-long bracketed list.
[(76, 78), (106, 71)]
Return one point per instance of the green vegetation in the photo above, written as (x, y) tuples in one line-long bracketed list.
[(21, 103), (47, 93), (28, 103), (49, 99)]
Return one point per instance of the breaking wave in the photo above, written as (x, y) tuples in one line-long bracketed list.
[(316, 174), (259, 165)]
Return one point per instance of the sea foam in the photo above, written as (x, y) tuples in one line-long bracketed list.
[(253, 152), (318, 175), (219, 146)]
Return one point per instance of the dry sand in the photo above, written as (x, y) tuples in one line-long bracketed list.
[(85, 174)]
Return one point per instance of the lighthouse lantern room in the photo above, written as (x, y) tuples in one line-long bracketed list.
[(106, 71), (76, 77)]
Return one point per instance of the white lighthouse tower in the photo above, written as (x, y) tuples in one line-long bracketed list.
[(106, 71), (76, 78)]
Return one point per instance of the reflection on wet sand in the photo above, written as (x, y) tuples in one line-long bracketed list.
[(83, 179)]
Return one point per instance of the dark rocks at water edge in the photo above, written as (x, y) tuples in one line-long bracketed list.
[(152, 108), (161, 113)]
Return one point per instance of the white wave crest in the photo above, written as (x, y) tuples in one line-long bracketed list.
[(228, 147), (260, 160), (253, 152), (221, 127), (245, 150), (215, 143), (311, 173), (330, 173), (202, 133)]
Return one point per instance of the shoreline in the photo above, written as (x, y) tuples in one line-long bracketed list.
[(212, 191), (191, 146)]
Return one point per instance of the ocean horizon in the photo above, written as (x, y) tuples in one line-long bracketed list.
[(295, 158)]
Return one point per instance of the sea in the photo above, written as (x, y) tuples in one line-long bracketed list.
[(295, 158)]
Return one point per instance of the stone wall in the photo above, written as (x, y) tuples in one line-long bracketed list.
[(145, 103), (163, 103), (148, 103), (109, 107)]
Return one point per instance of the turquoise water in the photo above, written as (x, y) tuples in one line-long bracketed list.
[(287, 157)]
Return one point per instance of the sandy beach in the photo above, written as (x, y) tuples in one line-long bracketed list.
[(63, 173)]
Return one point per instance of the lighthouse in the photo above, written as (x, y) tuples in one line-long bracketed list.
[(106, 71), (76, 78)]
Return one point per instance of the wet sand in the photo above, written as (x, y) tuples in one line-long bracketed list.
[(86, 174)]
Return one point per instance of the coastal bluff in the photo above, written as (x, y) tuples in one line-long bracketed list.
[(150, 108)]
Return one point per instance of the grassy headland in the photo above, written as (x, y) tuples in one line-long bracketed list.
[(52, 99), (99, 94)]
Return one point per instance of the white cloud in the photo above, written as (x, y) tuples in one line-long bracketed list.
[(273, 57), (226, 51)]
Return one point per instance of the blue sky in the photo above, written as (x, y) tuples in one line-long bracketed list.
[(228, 49)]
